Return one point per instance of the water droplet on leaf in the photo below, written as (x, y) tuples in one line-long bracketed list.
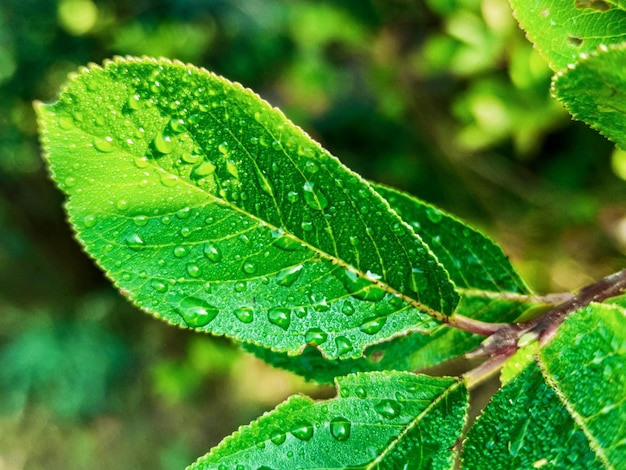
[(103, 145), (278, 437), (212, 253), (344, 345), (434, 215), (193, 270), (244, 314), (158, 286), (388, 408), (303, 431), (340, 428), (181, 251), (288, 276), (280, 317), (249, 268), (134, 241), (373, 325), (197, 312), (163, 143), (315, 336), (314, 198)]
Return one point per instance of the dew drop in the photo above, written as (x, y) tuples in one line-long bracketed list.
[(66, 123), (169, 180), (70, 181), (134, 241), (315, 336), (185, 232), (240, 286), (249, 268), (183, 213), (103, 145), (177, 126), (292, 196), (121, 204), (279, 316), (134, 102), (140, 220), (311, 167), (360, 287), (288, 276), (340, 428), (194, 270), (314, 198), (196, 312), (212, 253), (284, 241), (373, 325), (360, 392), (354, 241), (418, 281), (303, 431), (244, 314), (278, 437), (158, 286), (388, 408), (203, 170), (300, 312), (191, 158), (347, 308), (434, 215), (344, 345), (223, 148), (163, 143), (141, 162), (307, 226), (89, 221), (181, 251), (264, 183)]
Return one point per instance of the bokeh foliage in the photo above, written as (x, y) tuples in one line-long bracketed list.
[(445, 99)]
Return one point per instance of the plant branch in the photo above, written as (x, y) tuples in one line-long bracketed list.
[(505, 340)]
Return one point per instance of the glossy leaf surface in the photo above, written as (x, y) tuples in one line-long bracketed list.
[(593, 91), (566, 409), (378, 420), (209, 209), (562, 30), (491, 291)]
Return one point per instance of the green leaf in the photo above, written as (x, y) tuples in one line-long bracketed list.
[(473, 260), (562, 30), (209, 209), (412, 352), (593, 91), (567, 409), (378, 420), (492, 292), (586, 365)]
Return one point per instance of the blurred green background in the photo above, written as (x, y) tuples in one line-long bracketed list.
[(442, 98)]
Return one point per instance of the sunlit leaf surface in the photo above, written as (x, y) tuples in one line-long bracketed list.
[(562, 30), (212, 211), (379, 420), (593, 91), (567, 408)]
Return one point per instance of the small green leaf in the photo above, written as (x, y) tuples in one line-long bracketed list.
[(378, 420), (564, 29), (593, 91), (566, 409), (211, 210)]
